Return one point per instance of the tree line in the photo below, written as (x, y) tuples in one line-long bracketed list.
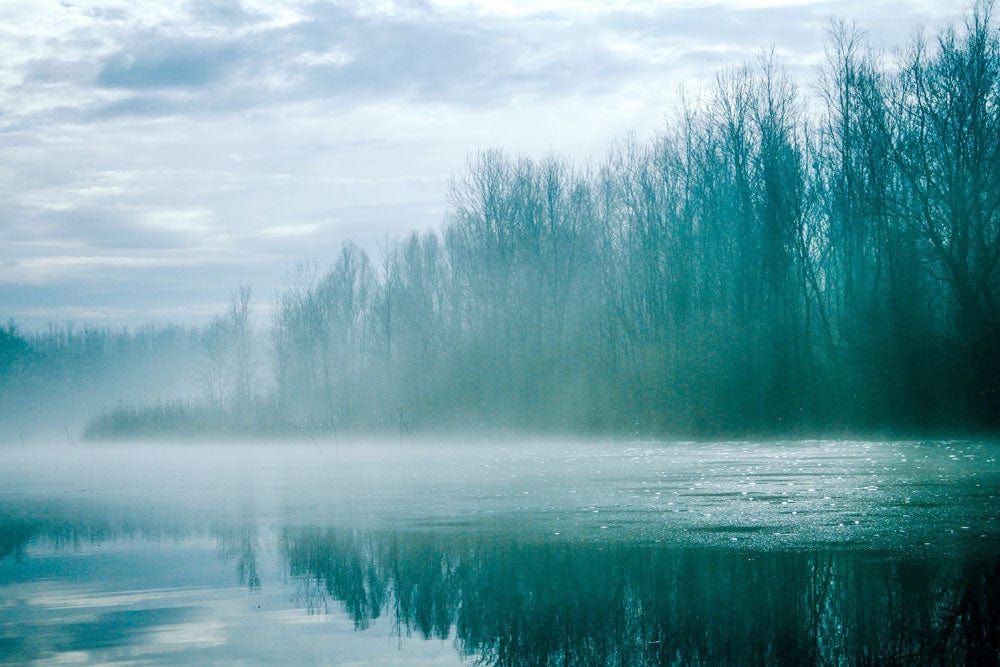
[(770, 261), (775, 260), (53, 381)]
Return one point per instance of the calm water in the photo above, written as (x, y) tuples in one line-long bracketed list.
[(526, 553)]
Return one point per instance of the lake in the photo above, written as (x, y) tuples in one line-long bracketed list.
[(528, 552)]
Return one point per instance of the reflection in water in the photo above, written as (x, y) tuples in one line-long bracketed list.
[(74, 526), (14, 537), (509, 602), (241, 544), (501, 598)]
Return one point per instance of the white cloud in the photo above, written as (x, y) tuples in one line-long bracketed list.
[(193, 221), (257, 132), (48, 269), (290, 230)]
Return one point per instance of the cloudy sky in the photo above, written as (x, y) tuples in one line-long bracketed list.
[(154, 155)]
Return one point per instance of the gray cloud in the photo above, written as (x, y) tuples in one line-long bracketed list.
[(346, 57), (169, 63), (142, 105), (111, 14), (114, 227), (232, 138), (225, 13), (57, 70)]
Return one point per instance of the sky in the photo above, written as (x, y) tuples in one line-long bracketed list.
[(154, 155)]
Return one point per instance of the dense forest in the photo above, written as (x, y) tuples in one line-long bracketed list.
[(777, 260)]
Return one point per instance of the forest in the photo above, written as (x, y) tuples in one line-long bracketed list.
[(779, 259)]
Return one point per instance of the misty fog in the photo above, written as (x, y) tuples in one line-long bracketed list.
[(777, 260), (729, 394)]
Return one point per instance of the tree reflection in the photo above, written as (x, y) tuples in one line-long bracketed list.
[(15, 535), (66, 527), (240, 543), (510, 602), (341, 564)]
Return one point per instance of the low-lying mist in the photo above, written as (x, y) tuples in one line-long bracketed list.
[(918, 495), (775, 261)]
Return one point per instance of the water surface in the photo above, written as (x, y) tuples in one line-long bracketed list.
[(503, 553)]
